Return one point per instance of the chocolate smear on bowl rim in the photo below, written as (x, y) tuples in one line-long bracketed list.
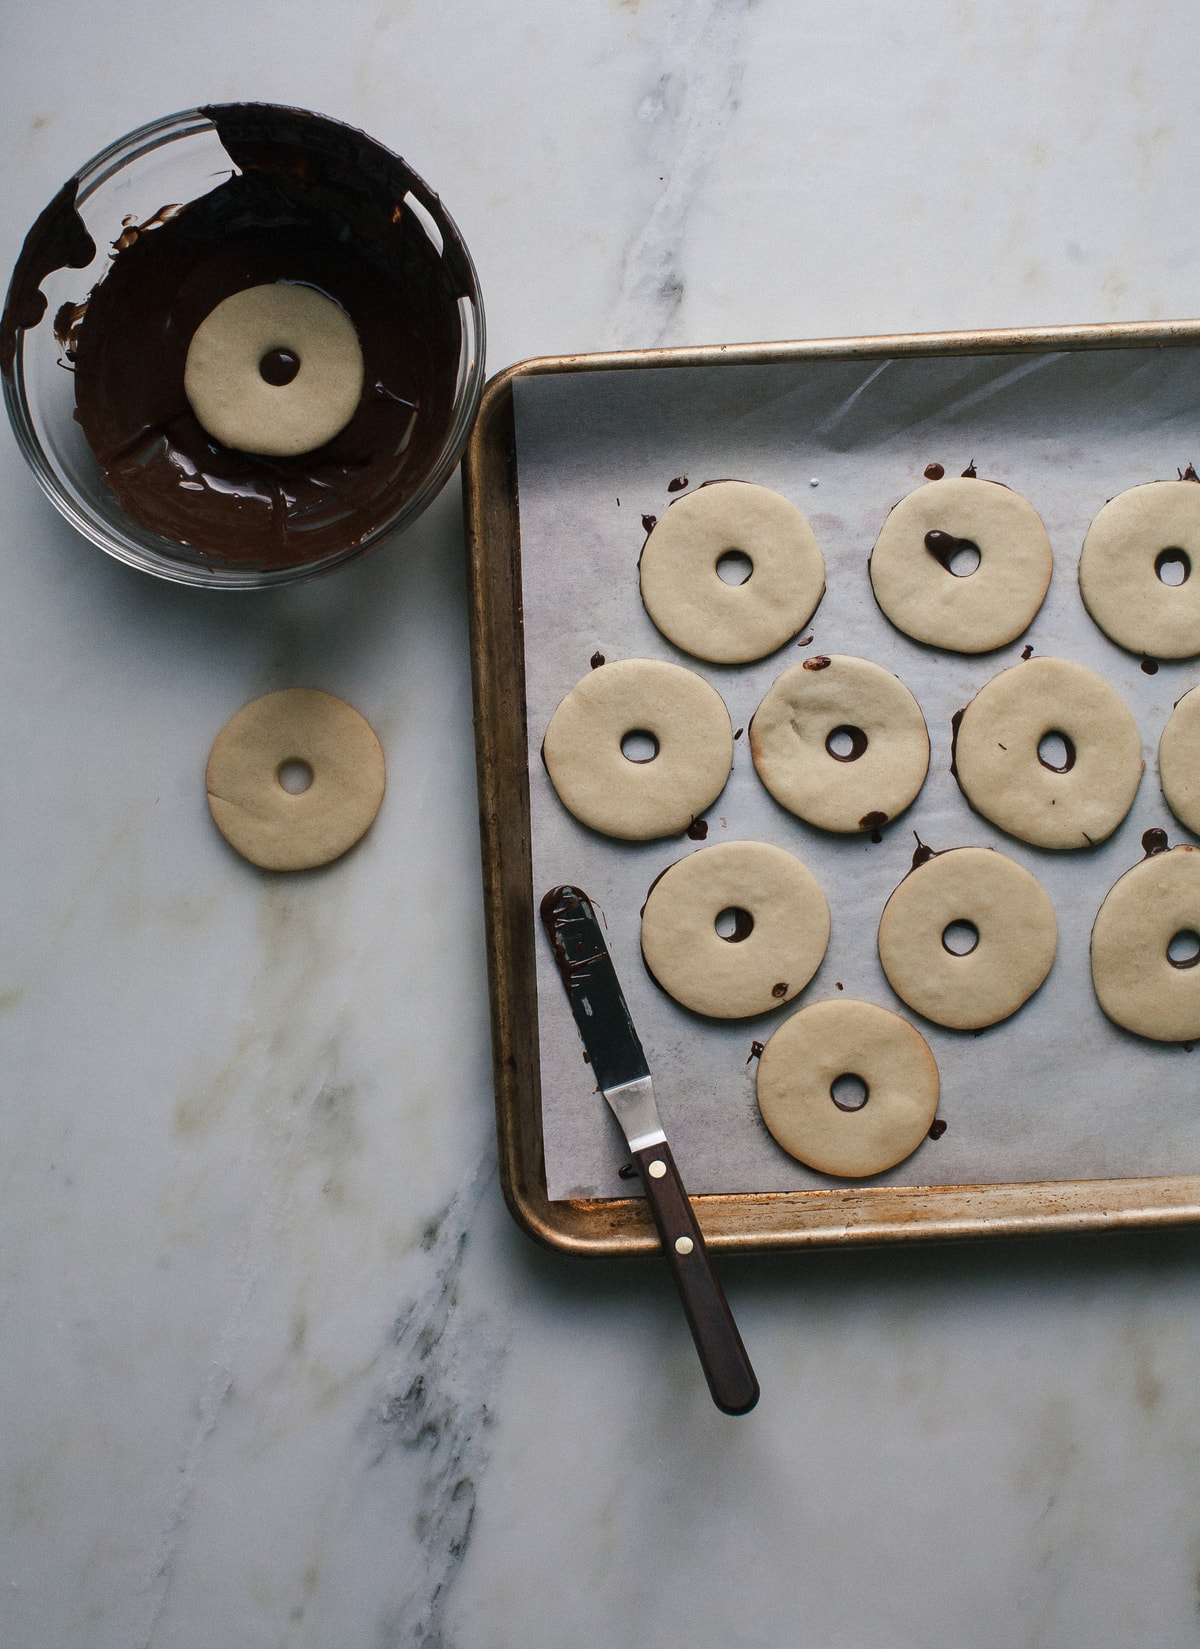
[(59, 239)]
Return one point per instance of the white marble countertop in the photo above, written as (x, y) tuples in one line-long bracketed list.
[(276, 1368)]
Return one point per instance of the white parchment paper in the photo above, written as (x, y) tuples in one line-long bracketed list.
[(1056, 1092)]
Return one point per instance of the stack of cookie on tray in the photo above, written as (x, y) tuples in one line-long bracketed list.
[(1048, 751)]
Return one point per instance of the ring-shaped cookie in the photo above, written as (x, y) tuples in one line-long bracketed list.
[(223, 375), (1136, 982), (1134, 539), (778, 939), (632, 799), (1179, 761), (1017, 937), (912, 577), (271, 826), (884, 754), (1003, 777), (691, 603), (810, 1051)]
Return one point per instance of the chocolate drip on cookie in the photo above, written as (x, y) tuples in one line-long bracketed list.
[(943, 547), (922, 853)]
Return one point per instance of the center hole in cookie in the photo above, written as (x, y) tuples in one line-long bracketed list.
[(1056, 751), (279, 367), (846, 744), (1184, 949), (1173, 566), (734, 567), (848, 1092), (959, 556), (734, 923), (960, 938), (294, 776), (639, 746)]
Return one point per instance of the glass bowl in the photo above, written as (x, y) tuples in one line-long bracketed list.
[(367, 208)]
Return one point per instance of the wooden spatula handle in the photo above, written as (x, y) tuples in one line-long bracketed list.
[(722, 1354)]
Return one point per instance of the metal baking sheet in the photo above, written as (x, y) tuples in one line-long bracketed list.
[(1056, 1096)]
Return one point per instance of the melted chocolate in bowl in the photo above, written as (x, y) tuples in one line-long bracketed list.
[(310, 201)]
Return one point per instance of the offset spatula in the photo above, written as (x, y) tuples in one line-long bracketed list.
[(624, 1079)]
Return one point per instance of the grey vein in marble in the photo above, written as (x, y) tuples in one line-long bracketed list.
[(217, 1388), (690, 104), (310, 1122), (437, 1404)]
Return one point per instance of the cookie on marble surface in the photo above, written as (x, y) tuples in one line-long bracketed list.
[(841, 743), (939, 971), (823, 1046), (274, 827), (680, 722), (1073, 795), (1137, 569), (917, 565), (731, 623), (1146, 947), (274, 369), (771, 942)]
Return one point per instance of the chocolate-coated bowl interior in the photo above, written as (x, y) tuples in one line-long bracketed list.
[(255, 194)]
